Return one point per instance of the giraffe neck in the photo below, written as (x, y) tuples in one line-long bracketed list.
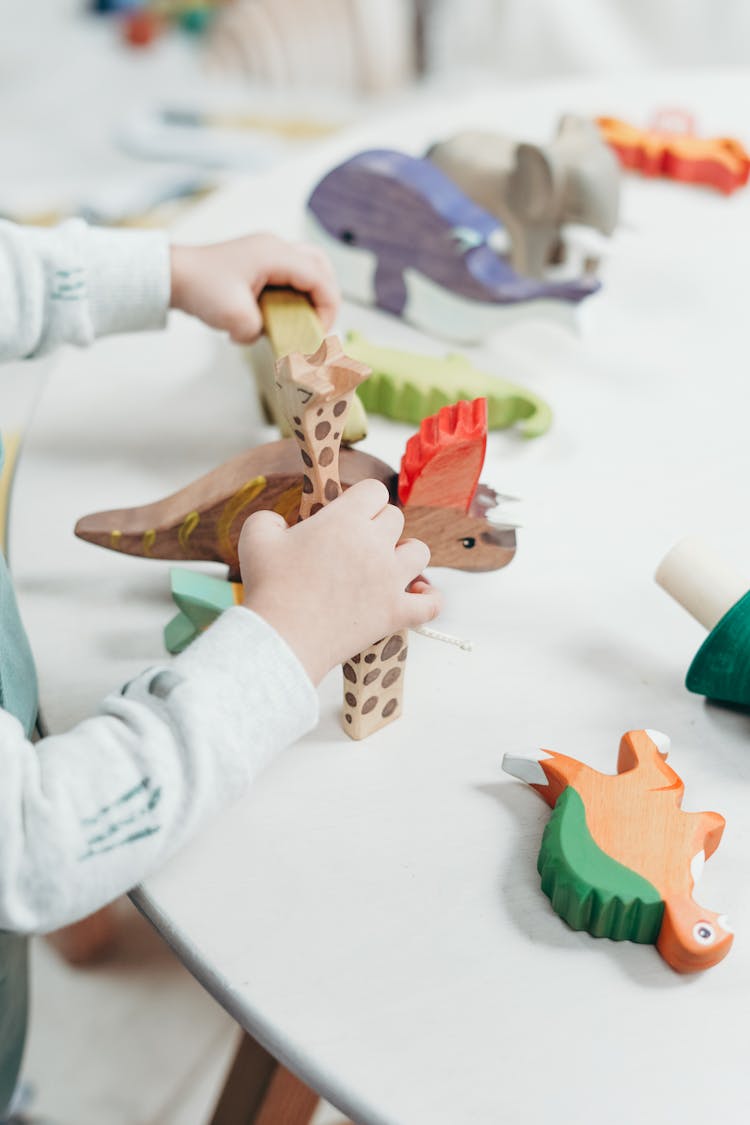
[(318, 430)]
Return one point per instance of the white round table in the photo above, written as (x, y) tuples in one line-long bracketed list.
[(371, 911)]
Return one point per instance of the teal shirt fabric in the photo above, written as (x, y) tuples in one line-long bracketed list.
[(18, 694)]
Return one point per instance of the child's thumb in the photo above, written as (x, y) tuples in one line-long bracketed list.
[(260, 528)]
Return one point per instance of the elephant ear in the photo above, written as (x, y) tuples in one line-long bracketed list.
[(441, 464), (532, 185)]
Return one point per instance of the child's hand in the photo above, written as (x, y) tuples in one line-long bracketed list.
[(336, 583), (221, 284)]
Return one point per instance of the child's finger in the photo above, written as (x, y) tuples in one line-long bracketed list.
[(367, 498), (412, 556), (303, 272), (421, 608), (259, 528), (390, 523), (420, 585), (243, 320)]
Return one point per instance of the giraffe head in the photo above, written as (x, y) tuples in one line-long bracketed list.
[(443, 502)]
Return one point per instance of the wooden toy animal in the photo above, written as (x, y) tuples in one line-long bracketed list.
[(437, 488), (292, 325), (403, 236), (720, 599), (316, 392), (410, 386), (719, 162), (619, 856), (537, 191)]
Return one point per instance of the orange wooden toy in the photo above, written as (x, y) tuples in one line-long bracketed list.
[(619, 857), (677, 153)]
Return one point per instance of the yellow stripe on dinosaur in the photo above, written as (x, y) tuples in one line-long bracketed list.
[(244, 496)]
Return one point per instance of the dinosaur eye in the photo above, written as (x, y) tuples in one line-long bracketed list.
[(348, 236), (469, 542), (704, 933)]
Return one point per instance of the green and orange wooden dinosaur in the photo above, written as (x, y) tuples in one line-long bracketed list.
[(619, 856)]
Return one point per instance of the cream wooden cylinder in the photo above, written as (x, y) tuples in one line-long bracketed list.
[(700, 581)]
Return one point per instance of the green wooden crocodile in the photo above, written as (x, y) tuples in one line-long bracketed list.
[(410, 386)]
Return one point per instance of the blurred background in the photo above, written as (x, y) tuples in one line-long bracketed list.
[(121, 110)]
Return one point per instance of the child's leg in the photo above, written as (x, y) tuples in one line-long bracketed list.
[(90, 939)]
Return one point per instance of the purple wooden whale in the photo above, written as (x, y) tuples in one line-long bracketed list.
[(412, 217)]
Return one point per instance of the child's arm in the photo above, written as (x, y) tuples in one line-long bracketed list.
[(73, 283), (86, 815)]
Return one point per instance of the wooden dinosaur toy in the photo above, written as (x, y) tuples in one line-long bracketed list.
[(410, 386), (661, 150), (548, 197), (619, 856), (437, 488), (403, 236), (720, 599)]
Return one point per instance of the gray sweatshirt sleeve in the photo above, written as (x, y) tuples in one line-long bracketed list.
[(72, 283), (88, 814)]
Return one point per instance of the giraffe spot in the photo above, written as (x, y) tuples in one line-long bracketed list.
[(402, 654), (339, 408), (320, 411), (348, 718), (322, 430), (299, 435), (369, 705), (350, 674), (326, 456), (389, 708), (331, 490), (351, 699), (372, 676), (307, 484), (307, 458), (297, 421), (316, 508), (392, 647), (370, 657), (391, 677), (356, 659)]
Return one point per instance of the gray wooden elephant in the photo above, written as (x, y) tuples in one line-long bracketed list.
[(536, 190)]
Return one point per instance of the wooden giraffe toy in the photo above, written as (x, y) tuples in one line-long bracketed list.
[(291, 325), (316, 393), (619, 857)]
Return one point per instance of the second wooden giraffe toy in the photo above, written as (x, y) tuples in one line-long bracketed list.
[(619, 857)]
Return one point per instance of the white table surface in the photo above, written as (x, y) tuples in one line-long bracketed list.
[(371, 911)]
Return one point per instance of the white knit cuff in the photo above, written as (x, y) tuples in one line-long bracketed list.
[(253, 670), (129, 279)]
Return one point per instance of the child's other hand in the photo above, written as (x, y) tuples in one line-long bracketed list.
[(336, 583), (221, 283)]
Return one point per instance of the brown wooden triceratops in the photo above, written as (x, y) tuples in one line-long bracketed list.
[(437, 489)]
